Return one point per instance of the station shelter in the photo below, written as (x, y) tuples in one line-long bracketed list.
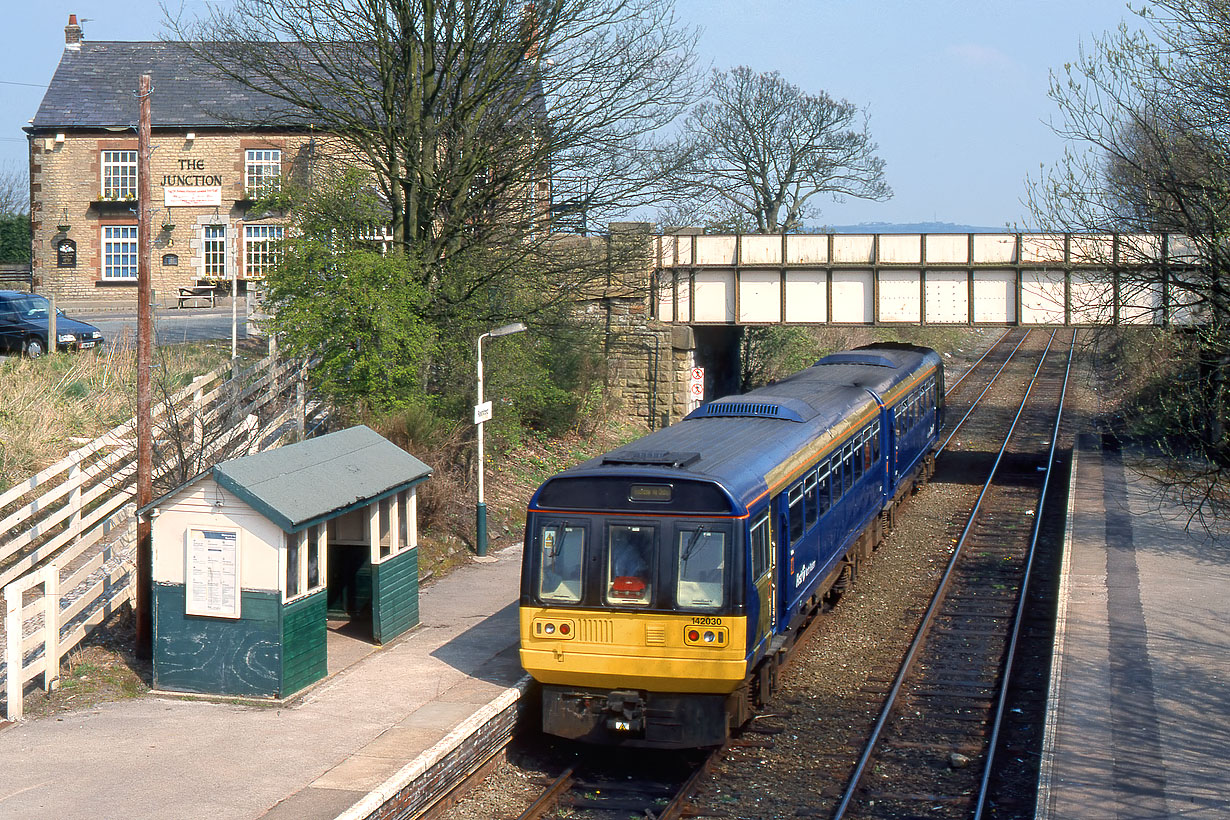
[(253, 559)]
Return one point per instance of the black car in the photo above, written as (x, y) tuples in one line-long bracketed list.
[(23, 326)]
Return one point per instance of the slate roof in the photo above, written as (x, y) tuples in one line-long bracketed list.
[(312, 481), (96, 87)]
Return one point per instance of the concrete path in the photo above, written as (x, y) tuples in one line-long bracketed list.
[(169, 758), (1140, 713)]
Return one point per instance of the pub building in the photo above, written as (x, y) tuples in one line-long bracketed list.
[(206, 172)]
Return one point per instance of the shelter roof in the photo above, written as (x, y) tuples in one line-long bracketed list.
[(312, 481)]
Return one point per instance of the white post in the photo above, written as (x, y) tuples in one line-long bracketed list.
[(74, 499), (51, 628), (412, 512), (234, 313), (12, 654)]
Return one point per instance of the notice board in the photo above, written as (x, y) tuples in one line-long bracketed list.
[(212, 573)]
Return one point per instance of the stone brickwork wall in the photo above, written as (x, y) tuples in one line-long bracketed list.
[(66, 190), (648, 362)]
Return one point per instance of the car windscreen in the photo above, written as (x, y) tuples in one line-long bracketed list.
[(30, 307)]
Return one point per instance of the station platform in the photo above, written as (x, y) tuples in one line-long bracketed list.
[(375, 736), (1139, 711)]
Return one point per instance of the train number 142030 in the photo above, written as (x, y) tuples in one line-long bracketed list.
[(701, 620)]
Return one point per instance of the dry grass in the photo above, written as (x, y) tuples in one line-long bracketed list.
[(51, 405)]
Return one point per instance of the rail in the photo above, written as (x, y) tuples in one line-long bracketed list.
[(938, 599), (68, 530)]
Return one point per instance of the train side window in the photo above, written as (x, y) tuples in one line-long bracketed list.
[(562, 548), (702, 567), (857, 457), (847, 469), (630, 557), (795, 496), (875, 442), (760, 546), (809, 488), (823, 488)]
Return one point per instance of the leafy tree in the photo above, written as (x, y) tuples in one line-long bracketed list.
[(14, 216), (757, 152)]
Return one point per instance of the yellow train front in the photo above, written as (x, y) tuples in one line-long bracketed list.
[(663, 582), (630, 618)]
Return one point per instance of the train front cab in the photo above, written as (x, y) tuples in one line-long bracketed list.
[(635, 622)]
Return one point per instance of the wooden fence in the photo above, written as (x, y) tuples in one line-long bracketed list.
[(68, 532)]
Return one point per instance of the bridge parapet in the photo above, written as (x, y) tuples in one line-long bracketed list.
[(959, 279)]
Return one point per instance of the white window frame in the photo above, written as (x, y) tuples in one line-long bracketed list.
[(400, 510), (210, 251), (260, 252), (301, 538), (119, 242), (262, 171), (118, 170)]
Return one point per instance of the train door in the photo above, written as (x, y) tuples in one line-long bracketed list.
[(763, 565)]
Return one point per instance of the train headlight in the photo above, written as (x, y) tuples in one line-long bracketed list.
[(557, 629), (712, 636)]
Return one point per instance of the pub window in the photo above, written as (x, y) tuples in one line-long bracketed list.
[(263, 168), (119, 174), (214, 243), (119, 252), (261, 249)]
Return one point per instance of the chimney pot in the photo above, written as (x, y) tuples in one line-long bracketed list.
[(72, 34)]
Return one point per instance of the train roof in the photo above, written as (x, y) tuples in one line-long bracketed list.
[(755, 441)]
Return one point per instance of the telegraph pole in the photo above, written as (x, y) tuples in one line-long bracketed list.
[(145, 361)]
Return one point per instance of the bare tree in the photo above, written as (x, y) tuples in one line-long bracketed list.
[(759, 150), (14, 190), (467, 110), (1146, 114)]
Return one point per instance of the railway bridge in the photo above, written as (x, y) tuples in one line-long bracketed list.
[(682, 310)]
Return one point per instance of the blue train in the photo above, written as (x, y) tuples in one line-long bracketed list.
[(664, 583)]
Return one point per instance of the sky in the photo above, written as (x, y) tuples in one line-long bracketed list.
[(956, 90)]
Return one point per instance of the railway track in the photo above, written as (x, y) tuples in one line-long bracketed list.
[(614, 792), (950, 690), (930, 791)]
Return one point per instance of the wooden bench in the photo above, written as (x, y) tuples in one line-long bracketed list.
[(13, 274), (198, 292)]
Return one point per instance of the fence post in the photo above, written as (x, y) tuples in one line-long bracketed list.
[(198, 425), (51, 628), (74, 500), (12, 655)]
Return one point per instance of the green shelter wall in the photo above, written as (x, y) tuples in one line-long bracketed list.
[(304, 642), (395, 595), (219, 656)]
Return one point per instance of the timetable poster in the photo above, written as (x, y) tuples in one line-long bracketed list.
[(213, 573)]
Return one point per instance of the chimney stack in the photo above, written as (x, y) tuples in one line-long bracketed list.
[(72, 34)]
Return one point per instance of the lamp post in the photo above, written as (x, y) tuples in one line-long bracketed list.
[(482, 412)]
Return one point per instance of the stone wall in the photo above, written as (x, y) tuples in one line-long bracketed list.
[(649, 363), (66, 190)]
